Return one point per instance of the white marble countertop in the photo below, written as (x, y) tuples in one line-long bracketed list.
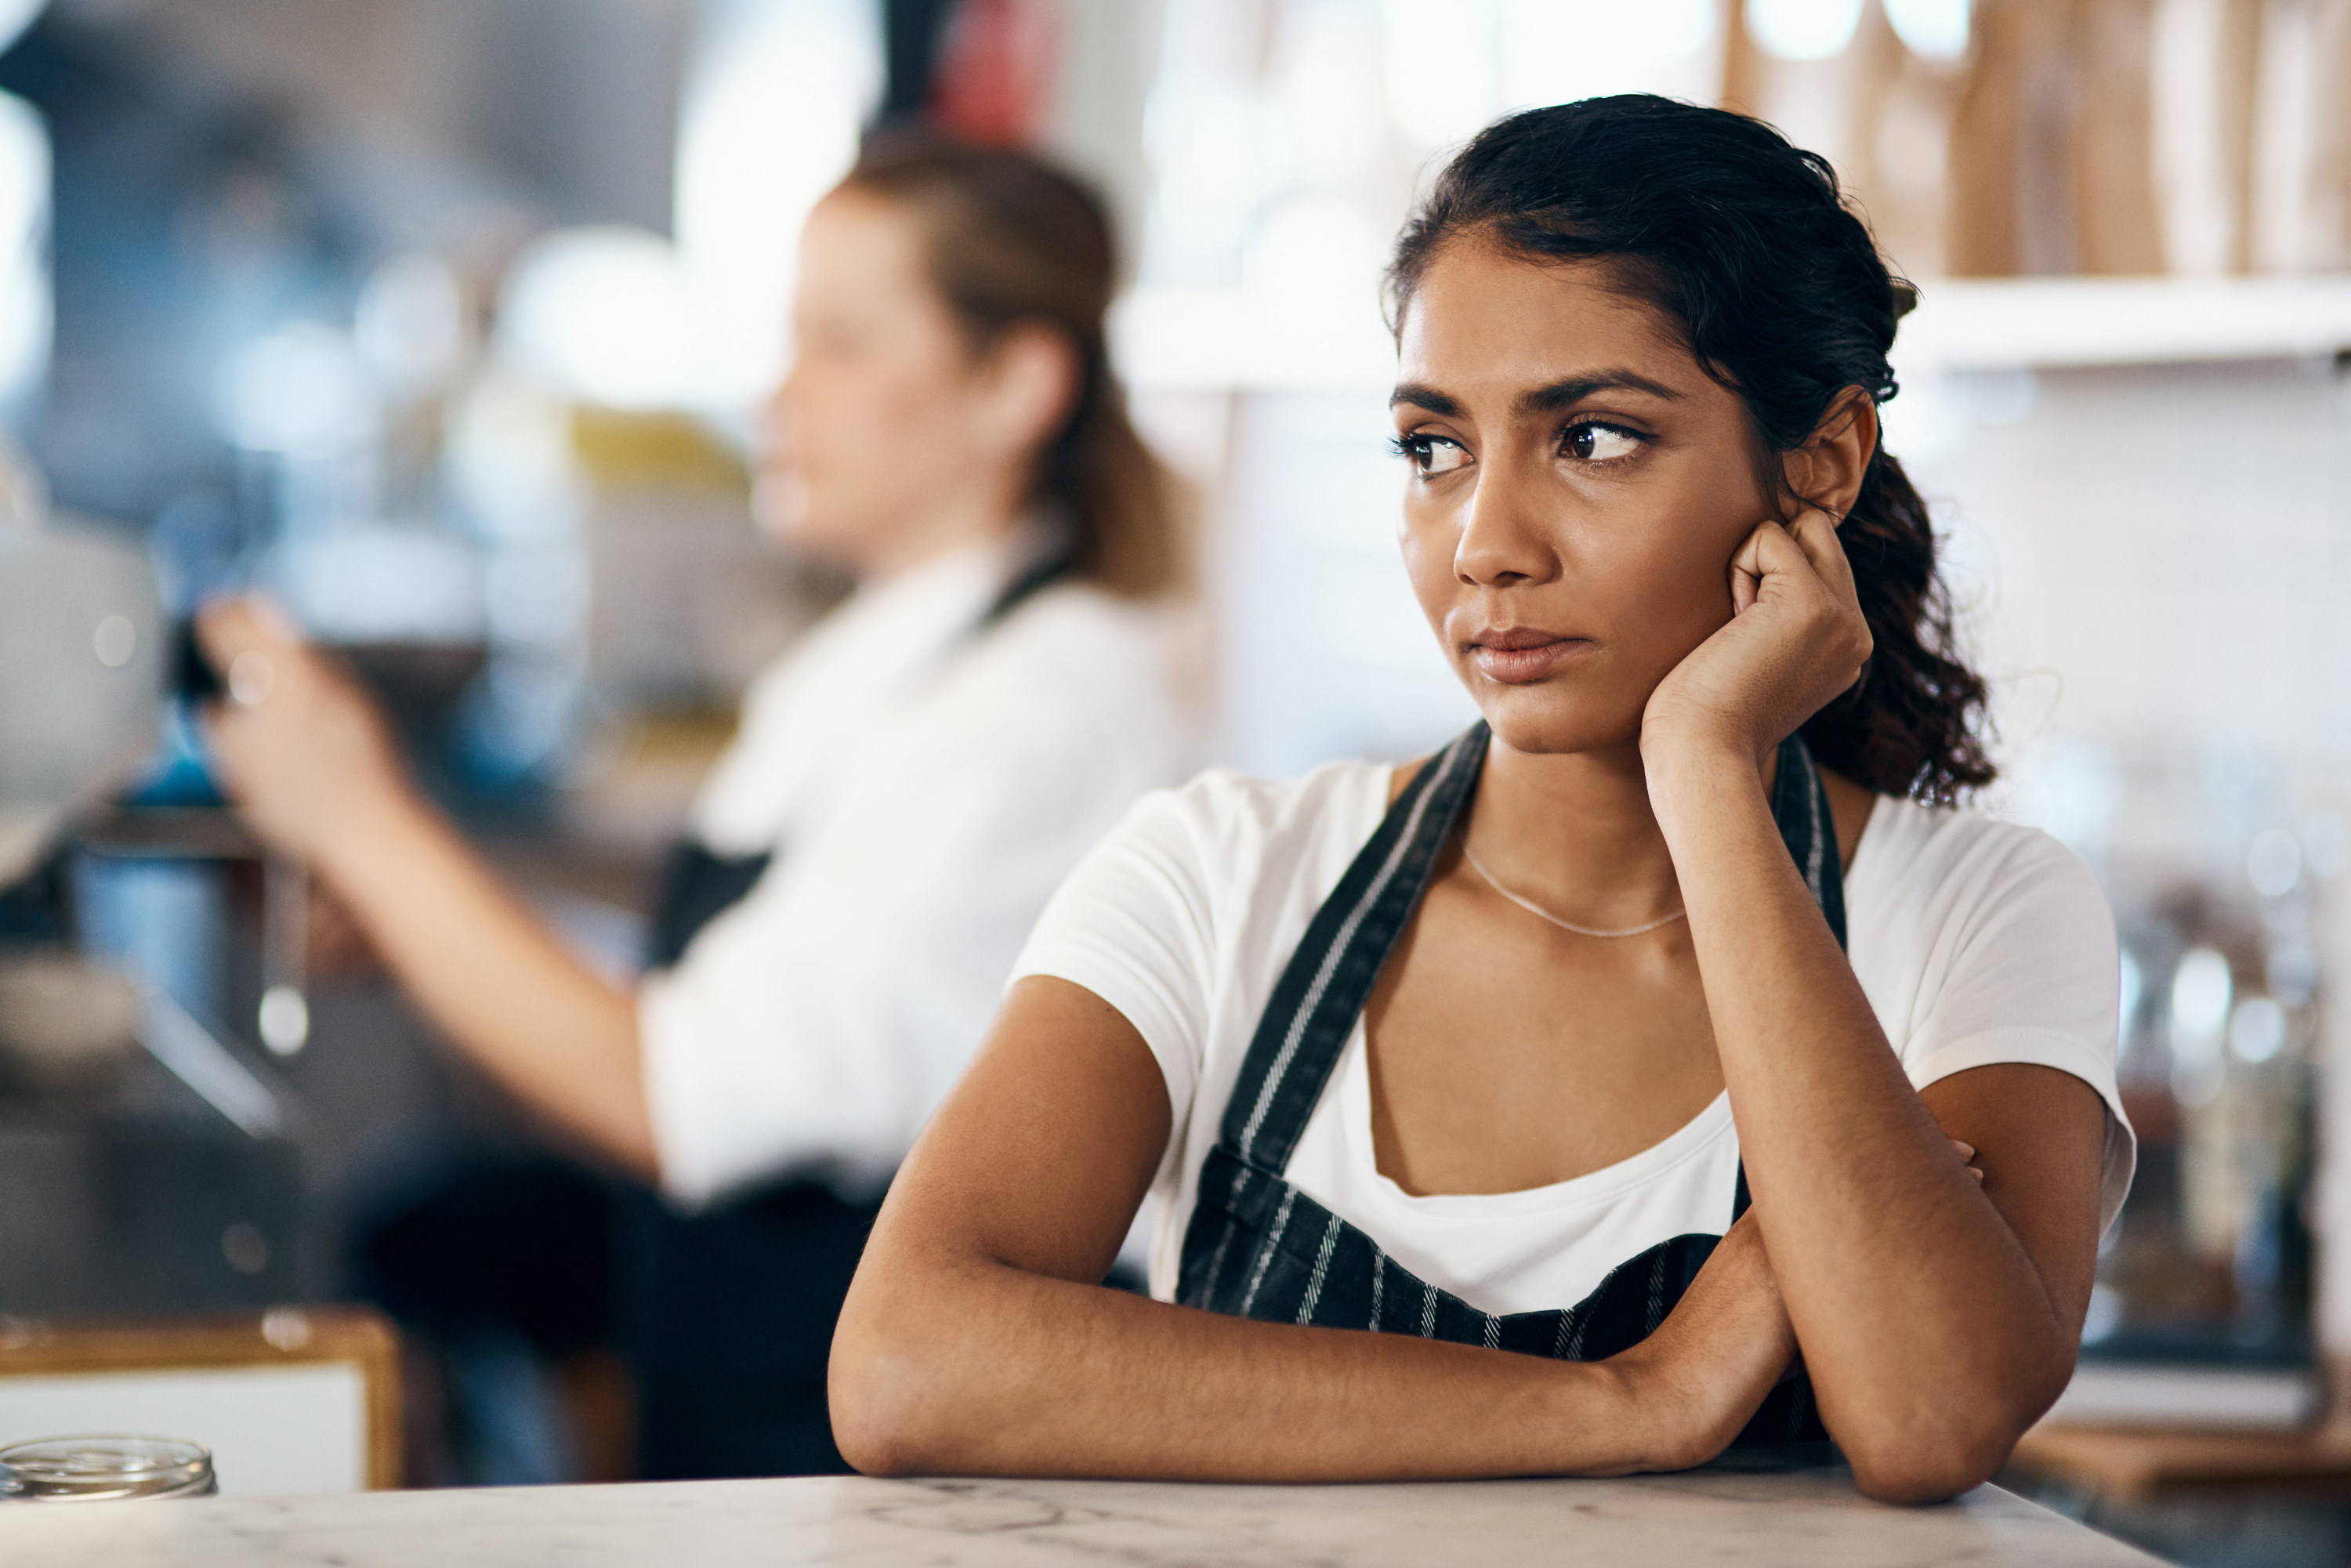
[(1804, 1516)]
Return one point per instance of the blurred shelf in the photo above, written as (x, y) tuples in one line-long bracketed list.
[(2127, 1462), (2174, 1396), (2059, 322), (1187, 339), (1170, 339)]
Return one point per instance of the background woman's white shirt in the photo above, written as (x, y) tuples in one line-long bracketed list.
[(1976, 941), (923, 785)]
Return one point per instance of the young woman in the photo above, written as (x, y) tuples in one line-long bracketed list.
[(1604, 1089), (912, 781)]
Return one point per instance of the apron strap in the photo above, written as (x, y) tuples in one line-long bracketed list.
[(1324, 988), (698, 884), (1800, 805), (1048, 566), (1330, 977)]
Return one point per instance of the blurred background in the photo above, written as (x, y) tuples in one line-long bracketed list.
[(443, 322)]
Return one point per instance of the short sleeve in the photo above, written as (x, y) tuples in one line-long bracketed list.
[(814, 1025), (1134, 925), (812, 1028), (2023, 969)]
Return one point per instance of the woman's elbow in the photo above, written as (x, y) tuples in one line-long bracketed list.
[(1931, 1460), (1917, 1473), (887, 1397), (1914, 1451)]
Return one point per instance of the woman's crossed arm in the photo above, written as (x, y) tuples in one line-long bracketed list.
[(978, 1340)]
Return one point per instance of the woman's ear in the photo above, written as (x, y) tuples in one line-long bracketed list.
[(1827, 469), (1030, 382)]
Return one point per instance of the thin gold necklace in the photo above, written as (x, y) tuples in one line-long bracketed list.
[(1536, 909)]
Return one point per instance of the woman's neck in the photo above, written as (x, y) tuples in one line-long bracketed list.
[(1574, 832), (981, 516)]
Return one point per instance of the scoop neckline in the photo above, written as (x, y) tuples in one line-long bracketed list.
[(1692, 1140)]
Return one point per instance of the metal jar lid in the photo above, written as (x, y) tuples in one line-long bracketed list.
[(105, 1468)]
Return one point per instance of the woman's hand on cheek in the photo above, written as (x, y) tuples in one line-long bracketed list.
[(1795, 641), (295, 744)]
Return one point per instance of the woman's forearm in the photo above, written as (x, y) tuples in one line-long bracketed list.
[(988, 1370), (949, 1361), (491, 975), (976, 1338), (1930, 1335)]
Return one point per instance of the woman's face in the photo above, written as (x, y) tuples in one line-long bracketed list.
[(1577, 487), (876, 424)]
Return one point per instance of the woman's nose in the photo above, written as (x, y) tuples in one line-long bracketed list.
[(775, 413), (1502, 538)]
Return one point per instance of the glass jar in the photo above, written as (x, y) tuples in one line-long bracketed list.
[(105, 1469)]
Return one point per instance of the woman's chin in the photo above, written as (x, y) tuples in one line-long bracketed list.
[(1547, 720), (809, 531)]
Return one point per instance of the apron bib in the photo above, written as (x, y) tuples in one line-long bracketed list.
[(1259, 1248)]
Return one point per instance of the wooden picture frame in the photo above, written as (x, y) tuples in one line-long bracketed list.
[(281, 1336)]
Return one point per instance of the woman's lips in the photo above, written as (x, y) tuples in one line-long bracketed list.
[(1520, 656)]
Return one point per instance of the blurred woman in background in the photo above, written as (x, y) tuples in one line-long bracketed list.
[(909, 784)]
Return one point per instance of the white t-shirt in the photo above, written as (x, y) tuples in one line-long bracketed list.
[(923, 787), (1976, 942)]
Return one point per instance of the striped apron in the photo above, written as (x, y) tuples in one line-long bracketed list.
[(1258, 1248)]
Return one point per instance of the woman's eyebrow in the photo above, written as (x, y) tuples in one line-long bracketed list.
[(1425, 397), (1559, 394), (1575, 389)]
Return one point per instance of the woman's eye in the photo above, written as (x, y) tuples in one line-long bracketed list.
[(1594, 443), (1431, 453)]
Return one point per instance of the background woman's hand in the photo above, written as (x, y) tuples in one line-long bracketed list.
[(297, 746), (1795, 641)]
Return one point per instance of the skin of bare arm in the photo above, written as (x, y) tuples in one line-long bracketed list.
[(1939, 1318), (890, 442), (978, 1338)]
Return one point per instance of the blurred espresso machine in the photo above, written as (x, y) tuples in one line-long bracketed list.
[(146, 1157)]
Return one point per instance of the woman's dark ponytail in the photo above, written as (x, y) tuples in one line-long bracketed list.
[(1745, 241), (1911, 726)]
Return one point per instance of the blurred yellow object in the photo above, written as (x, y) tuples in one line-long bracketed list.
[(639, 778), (625, 451)]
